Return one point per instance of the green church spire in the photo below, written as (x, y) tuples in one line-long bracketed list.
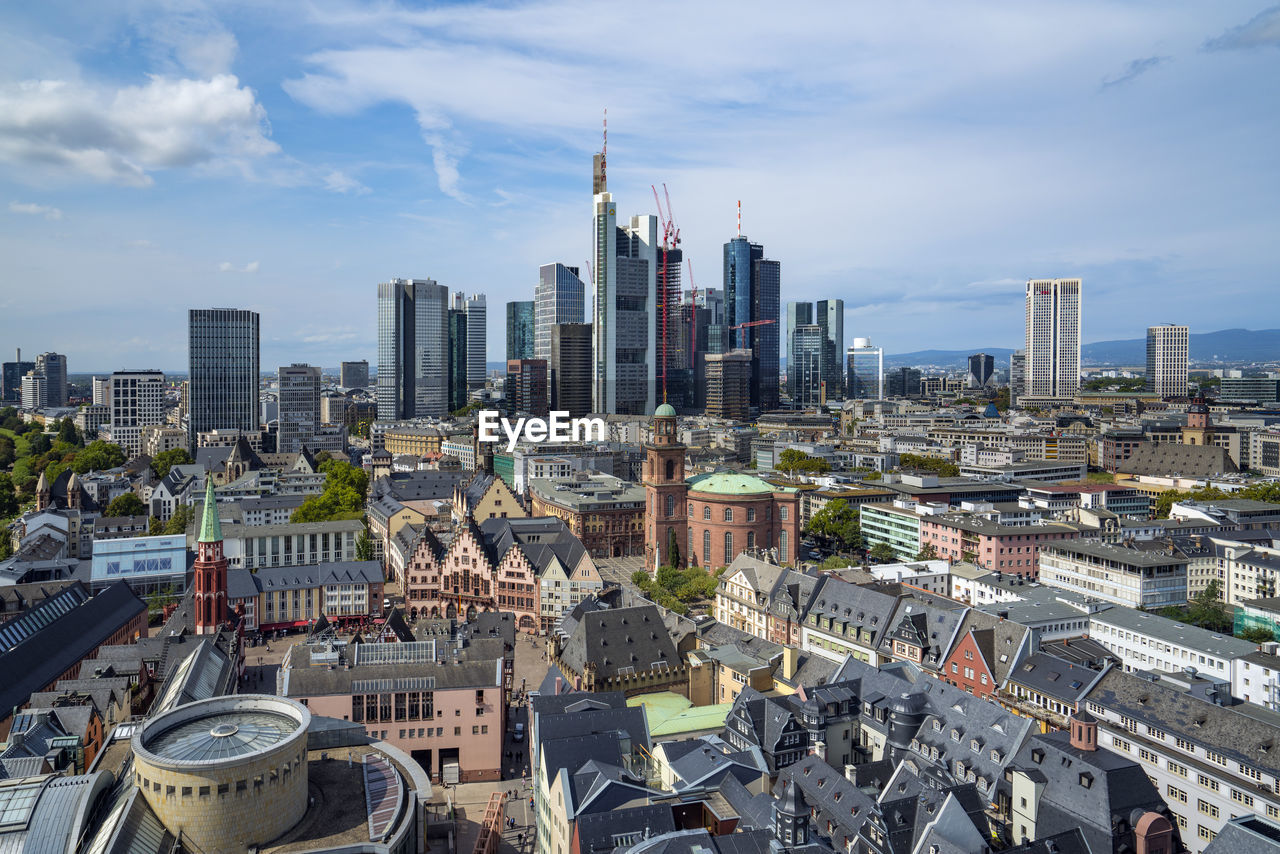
[(210, 526)]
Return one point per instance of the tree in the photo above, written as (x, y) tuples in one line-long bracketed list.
[(9, 505), (1002, 399), (364, 546), (793, 460), (40, 443), (165, 460), (343, 496), (67, 432), (837, 522), (927, 552), (183, 516), (1207, 610), (126, 505), (98, 456), (154, 526), (882, 553), (6, 545), (673, 547), (942, 468), (1257, 635)]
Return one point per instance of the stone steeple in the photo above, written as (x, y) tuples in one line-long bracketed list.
[(209, 574)]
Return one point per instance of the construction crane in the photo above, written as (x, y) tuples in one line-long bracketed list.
[(670, 242), (749, 324)]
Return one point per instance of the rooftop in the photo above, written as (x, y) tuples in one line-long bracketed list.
[(1139, 553), (1171, 631), (733, 483)]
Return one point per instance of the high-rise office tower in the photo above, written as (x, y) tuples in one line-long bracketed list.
[(299, 414), (35, 391), (752, 285), (865, 371), (1053, 338), (222, 370), (902, 382), (798, 314), (101, 391), (354, 374), (54, 368), (625, 259), (137, 400), (710, 335), (477, 341), (829, 314), (520, 330), (1167, 360), (11, 374), (569, 370), (982, 369), (559, 298), (413, 337), (1017, 375), (457, 359), (527, 386), (806, 367), (728, 385)]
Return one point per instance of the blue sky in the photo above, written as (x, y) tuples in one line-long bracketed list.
[(919, 160)]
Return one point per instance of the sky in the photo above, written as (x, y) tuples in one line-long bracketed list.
[(919, 160)]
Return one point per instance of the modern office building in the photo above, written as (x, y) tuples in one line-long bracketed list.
[(520, 330), (222, 370), (866, 371), (1017, 375), (559, 298), (477, 340), (35, 391), (457, 360), (829, 314), (729, 385), (101, 391), (1167, 360), (354, 374), (54, 368), (136, 401), (1053, 339), (413, 336), (902, 382), (752, 286), (805, 375), (299, 413), (798, 314), (982, 370), (527, 386), (569, 370), (11, 374), (1257, 389)]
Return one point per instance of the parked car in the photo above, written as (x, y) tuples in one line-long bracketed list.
[(519, 734)]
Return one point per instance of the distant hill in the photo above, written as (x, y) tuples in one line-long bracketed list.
[(1225, 345)]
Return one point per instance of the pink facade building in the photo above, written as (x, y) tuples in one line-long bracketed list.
[(974, 539)]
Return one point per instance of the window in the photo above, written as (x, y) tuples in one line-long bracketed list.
[(728, 547), (1207, 783), (1206, 833), (1207, 808), (728, 514), (706, 512), (1177, 794), (1241, 797), (1175, 768), (782, 513), (706, 547), (751, 514), (671, 505)]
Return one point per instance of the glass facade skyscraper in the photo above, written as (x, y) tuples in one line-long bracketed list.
[(752, 287), (457, 359), (829, 314), (477, 340), (222, 370), (804, 370), (866, 371), (413, 336), (520, 330), (560, 297), (798, 314)]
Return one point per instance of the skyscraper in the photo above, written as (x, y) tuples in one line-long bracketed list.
[(520, 330), (1017, 375), (1053, 338), (527, 386), (1167, 359), (982, 369), (798, 314), (752, 287), (11, 374), (829, 314), (805, 367), (222, 370), (902, 382), (299, 397), (136, 399), (569, 371), (354, 374), (413, 336), (477, 340), (457, 359), (54, 368), (559, 298), (866, 371), (728, 385)]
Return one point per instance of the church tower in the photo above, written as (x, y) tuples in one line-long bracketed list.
[(209, 581), (1199, 429), (665, 494)]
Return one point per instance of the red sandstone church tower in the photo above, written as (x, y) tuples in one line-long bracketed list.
[(209, 582), (665, 494)]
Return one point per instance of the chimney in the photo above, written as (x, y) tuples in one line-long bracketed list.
[(790, 661), (559, 683)]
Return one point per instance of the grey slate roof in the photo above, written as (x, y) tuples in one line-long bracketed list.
[(1053, 677), (418, 485), (616, 639), (542, 539), (1167, 458)]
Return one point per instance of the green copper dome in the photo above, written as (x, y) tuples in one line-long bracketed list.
[(733, 483), (666, 410), (211, 525)]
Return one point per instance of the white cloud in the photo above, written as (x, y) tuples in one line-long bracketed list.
[(45, 211), (1262, 30), (193, 40), (123, 135), (228, 267), (340, 182)]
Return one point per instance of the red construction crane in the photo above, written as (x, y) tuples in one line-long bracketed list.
[(749, 324), (668, 280)]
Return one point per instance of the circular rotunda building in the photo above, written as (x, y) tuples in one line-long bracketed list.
[(227, 773)]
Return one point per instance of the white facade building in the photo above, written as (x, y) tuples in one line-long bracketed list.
[(137, 401), (1167, 359), (1052, 366)]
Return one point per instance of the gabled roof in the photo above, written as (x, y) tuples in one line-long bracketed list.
[(632, 640)]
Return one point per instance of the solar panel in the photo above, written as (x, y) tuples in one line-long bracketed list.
[(383, 792)]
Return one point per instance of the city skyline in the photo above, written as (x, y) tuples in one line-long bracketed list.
[(301, 173)]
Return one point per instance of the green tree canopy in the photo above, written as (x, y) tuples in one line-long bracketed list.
[(927, 552), (67, 432), (126, 505), (183, 516), (98, 456), (837, 522), (165, 460), (343, 496), (793, 460), (9, 505), (882, 553), (915, 462)]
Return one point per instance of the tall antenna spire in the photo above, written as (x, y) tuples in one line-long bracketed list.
[(604, 147), (739, 217)]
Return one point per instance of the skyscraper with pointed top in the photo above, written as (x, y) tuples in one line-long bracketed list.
[(209, 574)]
